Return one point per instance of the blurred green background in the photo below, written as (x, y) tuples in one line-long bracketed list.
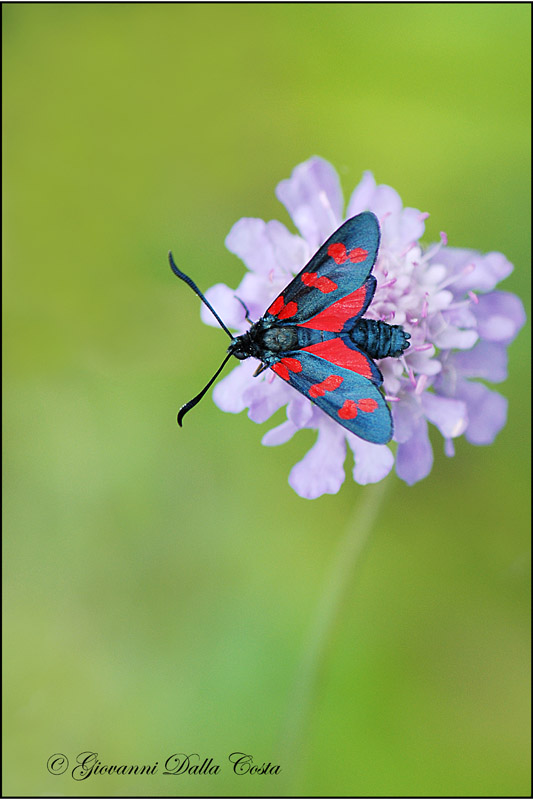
[(160, 584)]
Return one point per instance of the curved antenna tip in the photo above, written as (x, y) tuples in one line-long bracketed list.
[(187, 407)]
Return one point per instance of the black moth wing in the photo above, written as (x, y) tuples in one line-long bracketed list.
[(347, 397), (340, 267)]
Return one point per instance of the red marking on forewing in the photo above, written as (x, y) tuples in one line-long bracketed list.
[(282, 311), (337, 314), (276, 306), (367, 404), (281, 370), (357, 255), (348, 411), (282, 367), (338, 353), (328, 385), (292, 363), (337, 251), (289, 310), (323, 284)]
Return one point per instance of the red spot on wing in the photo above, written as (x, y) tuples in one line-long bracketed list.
[(357, 255), (338, 353), (337, 251), (323, 284), (292, 363), (282, 311), (367, 404), (328, 385), (348, 411), (350, 408), (281, 370), (289, 310), (276, 306), (282, 367), (337, 314)]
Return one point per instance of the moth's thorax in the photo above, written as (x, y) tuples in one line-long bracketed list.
[(279, 338), (264, 341)]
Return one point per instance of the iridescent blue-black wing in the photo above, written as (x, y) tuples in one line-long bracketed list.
[(336, 280), (349, 398)]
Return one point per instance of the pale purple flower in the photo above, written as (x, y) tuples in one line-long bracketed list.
[(445, 297)]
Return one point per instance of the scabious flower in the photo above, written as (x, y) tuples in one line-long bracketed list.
[(444, 297)]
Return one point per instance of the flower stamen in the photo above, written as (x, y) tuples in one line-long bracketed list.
[(421, 384), (388, 283), (454, 278)]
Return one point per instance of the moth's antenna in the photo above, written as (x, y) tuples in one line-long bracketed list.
[(197, 291), (187, 407)]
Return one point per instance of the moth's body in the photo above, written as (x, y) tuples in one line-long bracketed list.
[(267, 341)]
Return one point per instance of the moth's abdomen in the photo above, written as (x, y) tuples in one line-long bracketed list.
[(379, 339)]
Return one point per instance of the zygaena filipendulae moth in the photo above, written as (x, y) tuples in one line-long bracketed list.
[(315, 337)]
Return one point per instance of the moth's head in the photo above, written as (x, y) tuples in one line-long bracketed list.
[(240, 346)]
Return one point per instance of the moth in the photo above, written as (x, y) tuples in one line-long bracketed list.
[(315, 337)]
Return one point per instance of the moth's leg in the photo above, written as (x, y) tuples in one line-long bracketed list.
[(243, 304), (261, 368)]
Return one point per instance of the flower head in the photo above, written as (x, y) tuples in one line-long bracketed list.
[(444, 297)]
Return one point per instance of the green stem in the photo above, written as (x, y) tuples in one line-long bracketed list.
[(336, 583)]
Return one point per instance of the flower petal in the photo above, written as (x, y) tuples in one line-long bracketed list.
[(279, 435), (450, 337), (228, 393), (264, 399), (223, 300), (449, 448), (423, 362), (300, 411), (372, 461), (382, 200), (500, 315), (400, 226), (403, 228), (474, 270), (487, 412), (266, 247), (487, 360), (321, 471), (313, 198), (414, 458), (257, 292), (362, 195), (405, 416), (447, 414)]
